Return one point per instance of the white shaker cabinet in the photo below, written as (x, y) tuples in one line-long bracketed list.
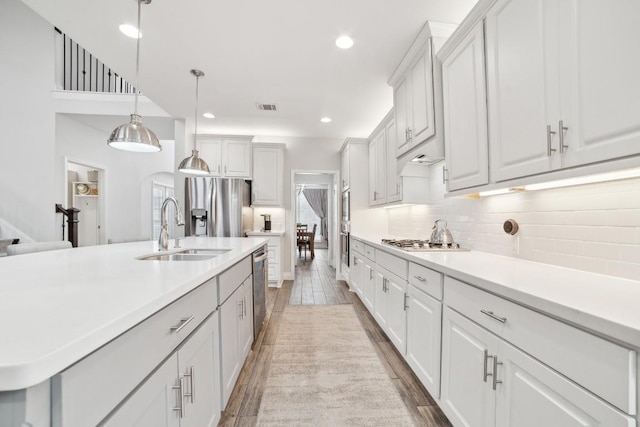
[(393, 178), (227, 156), (378, 168), (465, 113), (344, 162), (562, 86), (268, 167), (183, 392)]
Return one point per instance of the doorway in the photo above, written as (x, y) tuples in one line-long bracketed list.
[(85, 190), (314, 202)]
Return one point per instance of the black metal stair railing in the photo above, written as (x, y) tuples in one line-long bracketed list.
[(81, 71)]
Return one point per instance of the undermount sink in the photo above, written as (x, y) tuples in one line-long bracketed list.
[(178, 257), (186, 255)]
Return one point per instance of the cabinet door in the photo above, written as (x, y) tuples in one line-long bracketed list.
[(599, 69), (267, 176), (401, 105), (368, 284), (377, 166), (373, 191), (465, 113), (152, 405), (211, 152), (245, 326), (345, 168), (467, 398), (237, 159), (394, 181), (198, 365), (522, 50), (422, 119), (397, 313), (380, 299), (424, 322), (355, 274), (230, 364), (532, 395)]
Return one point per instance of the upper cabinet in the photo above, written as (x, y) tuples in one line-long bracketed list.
[(415, 88), (465, 113), (344, 157), (562, 87), (227, 156), (268, 167), (355, 160)]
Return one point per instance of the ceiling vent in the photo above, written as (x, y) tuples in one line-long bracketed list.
[(266, 107)]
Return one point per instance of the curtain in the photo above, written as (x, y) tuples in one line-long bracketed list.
[(317, 199)]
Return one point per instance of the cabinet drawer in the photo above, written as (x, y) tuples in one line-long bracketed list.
[(230, 279), (86, 392), (394, 264), (357, 246), (370, 252), (606, 369), (426, 280)]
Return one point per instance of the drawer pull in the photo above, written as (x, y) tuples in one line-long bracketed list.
[(420, 278), (181, 325), (180, 388), (486, 363), (192, 385), (406, 302), (496, 381), (493, 316)]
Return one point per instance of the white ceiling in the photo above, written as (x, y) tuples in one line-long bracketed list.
[(258, 51)]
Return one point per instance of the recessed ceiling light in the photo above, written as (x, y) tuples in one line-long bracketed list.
[(129, 31), (344, 42), (325, 119), (209, 115)]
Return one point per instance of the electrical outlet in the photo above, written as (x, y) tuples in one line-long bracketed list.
[(515, 244)]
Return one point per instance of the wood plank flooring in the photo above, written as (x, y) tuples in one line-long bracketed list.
[(315, 284)]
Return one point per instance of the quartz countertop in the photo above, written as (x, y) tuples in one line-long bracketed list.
[(605, 305), (57, 307), (265, 233)]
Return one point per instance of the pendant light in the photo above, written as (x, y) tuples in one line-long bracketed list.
[(133, 136), (193, 164)]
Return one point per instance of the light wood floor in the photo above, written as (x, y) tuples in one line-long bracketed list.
[(315, 284)]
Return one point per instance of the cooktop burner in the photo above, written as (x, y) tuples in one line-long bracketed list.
[(413, 245)]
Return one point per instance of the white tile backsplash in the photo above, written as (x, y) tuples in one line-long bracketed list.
[(592, 227)]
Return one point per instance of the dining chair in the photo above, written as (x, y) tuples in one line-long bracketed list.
[(307, 241)]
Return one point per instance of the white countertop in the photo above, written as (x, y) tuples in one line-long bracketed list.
[(57, 307), (606, 305)]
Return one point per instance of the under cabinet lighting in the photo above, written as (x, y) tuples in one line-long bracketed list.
[(325, 120), (590, 179), (344, 42), (500, 191)]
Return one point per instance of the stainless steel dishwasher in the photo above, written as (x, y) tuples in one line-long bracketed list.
[(260, 280)]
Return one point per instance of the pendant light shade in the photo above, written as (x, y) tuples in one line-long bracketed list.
[(133, 136), (193, 164)]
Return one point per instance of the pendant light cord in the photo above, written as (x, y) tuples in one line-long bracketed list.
[(195, 134), (138, 58)]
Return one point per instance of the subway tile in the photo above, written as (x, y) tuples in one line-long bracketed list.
[(570, 247), (624, 218), (624, 269), (630, 253), (580, 233), (601, 250), (594, 218), (629, 199), (627, 235)]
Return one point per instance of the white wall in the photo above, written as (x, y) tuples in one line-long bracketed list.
[(27, 195), (128, 176), (591, 227)]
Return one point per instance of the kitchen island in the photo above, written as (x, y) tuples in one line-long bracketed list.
[(61, 306)]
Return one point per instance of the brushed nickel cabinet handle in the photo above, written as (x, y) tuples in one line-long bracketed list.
[(180, 388), (183, 322), (406, 135), (486, 363), (410, 135), (494, 316), (420, 278), (192, 385), (370, 273), (561, 129), (384, 284), (496, 381), (241, 314), (444, 175), (549, 149), (406, 302)]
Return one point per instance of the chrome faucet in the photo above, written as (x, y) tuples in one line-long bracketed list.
[(163, 241)]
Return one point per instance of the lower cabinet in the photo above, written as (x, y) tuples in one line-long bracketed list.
[(488, 382), (424, 323), (236, 335), (368, 283), (390, 308), (183, 391)]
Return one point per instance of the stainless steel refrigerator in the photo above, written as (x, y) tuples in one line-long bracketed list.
[(218, 207)]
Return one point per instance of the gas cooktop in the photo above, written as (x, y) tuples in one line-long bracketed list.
[(412, 245)]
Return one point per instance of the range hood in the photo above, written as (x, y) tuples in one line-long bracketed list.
[(416, 161)]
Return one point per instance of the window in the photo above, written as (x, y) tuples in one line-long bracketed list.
[(159, 193)]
